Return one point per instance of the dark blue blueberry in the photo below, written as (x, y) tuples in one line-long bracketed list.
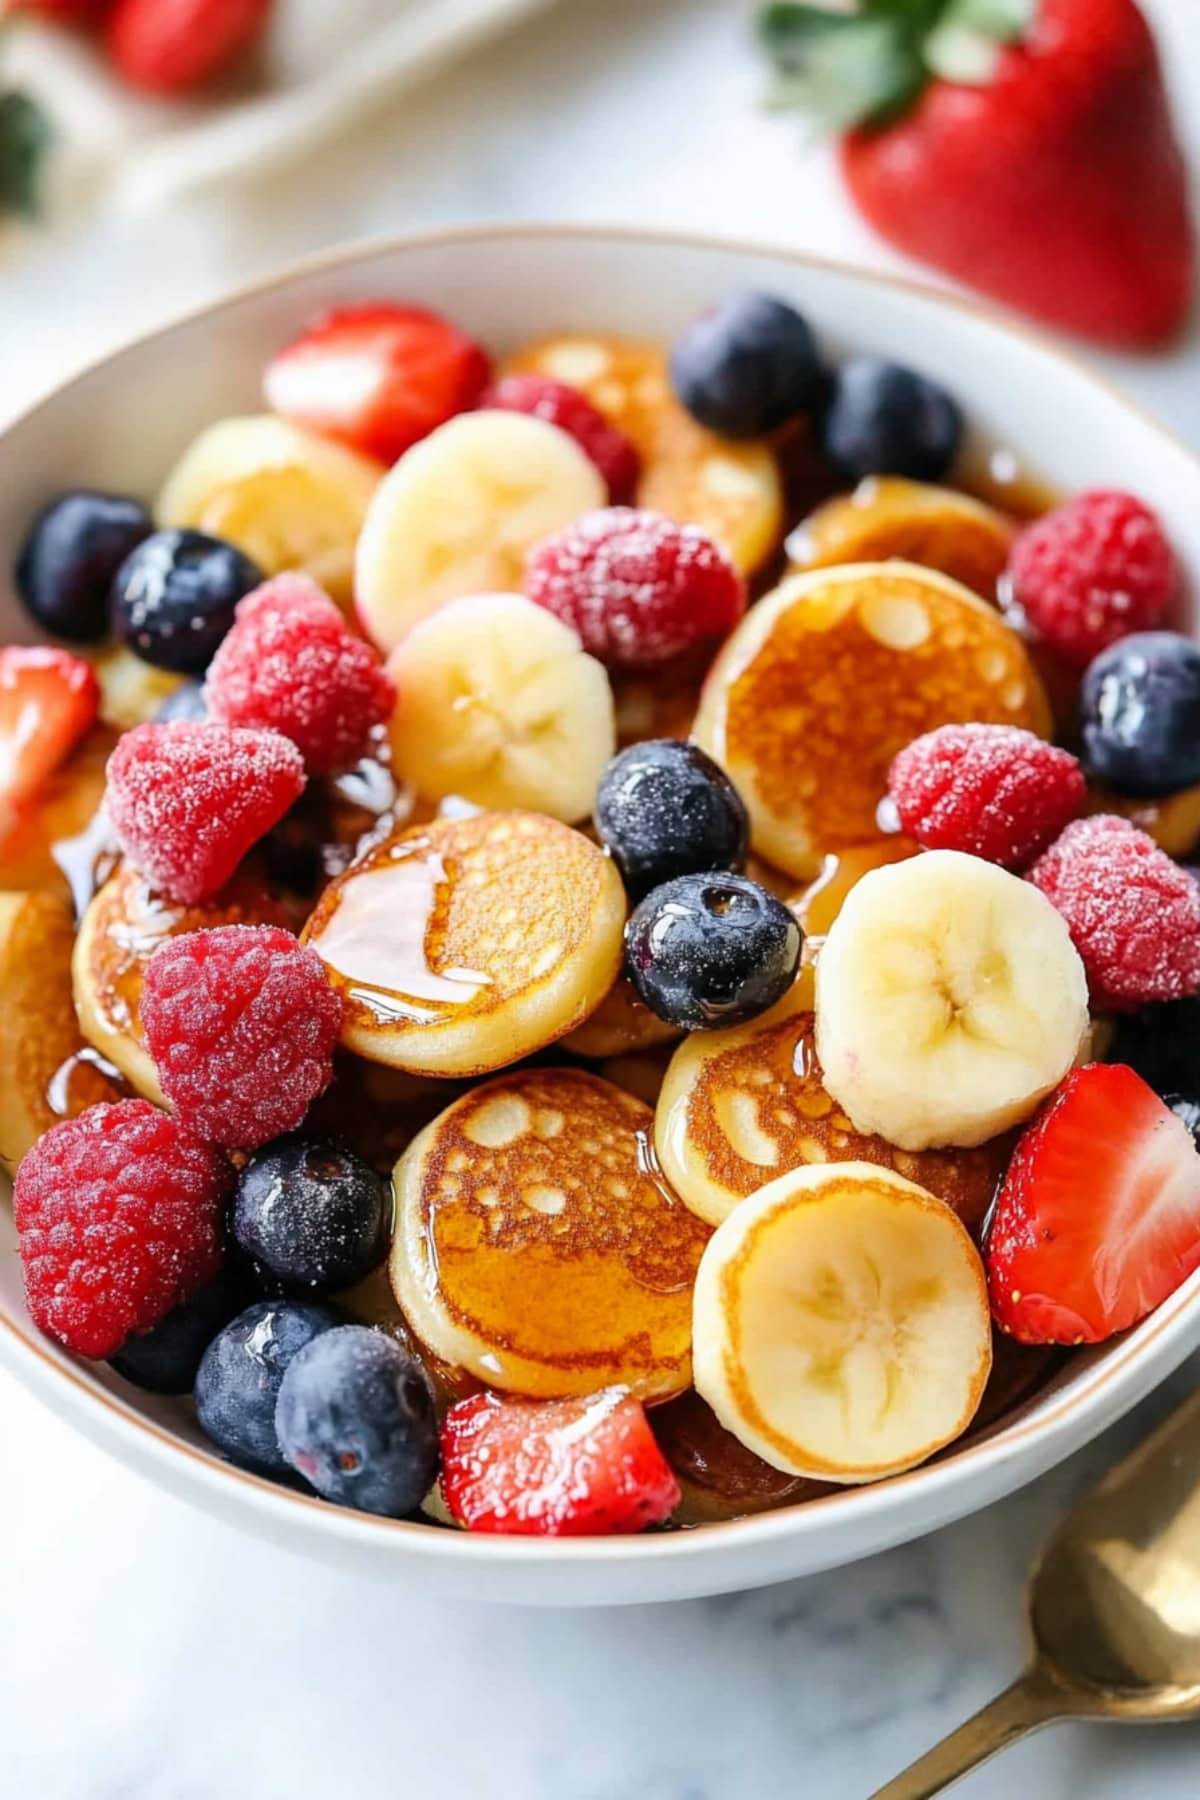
[(1188, 1111), (884, 419), (663, 809), (165, 1360), (747, 366), (708, 950), (66, 564), (238, 1380), (1162, 1043), (1140, 714), (355, 1416), (173, 598), (311, 1216), (187, 705)]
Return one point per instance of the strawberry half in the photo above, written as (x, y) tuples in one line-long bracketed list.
[(554, 1468), (1098, 1219), (48, 700), (377, 377)]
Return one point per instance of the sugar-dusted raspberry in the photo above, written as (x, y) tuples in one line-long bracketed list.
[(564, 406), (187, 801), (994, 791), (1133, 914), (118, 1213), (241, 1022), (291, 664), (1091, 572), (637, 587)]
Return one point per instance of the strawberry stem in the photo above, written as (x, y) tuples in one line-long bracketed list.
[(25, 136)]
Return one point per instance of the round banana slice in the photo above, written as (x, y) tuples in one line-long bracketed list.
[(887, 516), (535, 1249), (463, 945), (459, 513), (733, 490), (498, 701), (288, 498), (950, 1001), (622, 1025), (833, 673), (119, 933), (841, 1327)]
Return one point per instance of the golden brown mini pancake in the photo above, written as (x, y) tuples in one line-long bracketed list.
[(464, 945), (819, 904), (660, 702), (536, 1247), (621, 1025), (887, 516), (833, 673), (718, 1476)]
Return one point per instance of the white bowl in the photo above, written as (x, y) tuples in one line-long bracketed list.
[(122, 423)]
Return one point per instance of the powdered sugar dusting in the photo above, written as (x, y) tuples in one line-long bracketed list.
[(993, 791)]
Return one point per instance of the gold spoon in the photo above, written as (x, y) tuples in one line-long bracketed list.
[(1115, 1610)]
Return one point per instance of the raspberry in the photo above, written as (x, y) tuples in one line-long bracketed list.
[(1133, 914), (637, 587), (187, 801), (992, 790), (608, 447), (290, 664), (241, 1022), (119, 1218), (1091, 572)]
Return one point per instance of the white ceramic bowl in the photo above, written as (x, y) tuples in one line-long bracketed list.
[(122, 423)]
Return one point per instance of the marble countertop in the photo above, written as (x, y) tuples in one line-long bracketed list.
[(150, 1653)]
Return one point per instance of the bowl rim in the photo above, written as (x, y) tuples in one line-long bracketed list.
[(1001, 1443)]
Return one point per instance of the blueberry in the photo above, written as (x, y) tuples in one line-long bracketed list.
[(355, 1416), (709, 950), (66, 564), (884, 419), (238, 1380), (173, 598), (663, 809), (311, 1216), (747, 366), (1140, 713), (187, 703), (1162, 1043), (165, 1360)]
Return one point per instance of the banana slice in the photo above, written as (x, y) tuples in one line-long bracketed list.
[(534, 1247), (288, 498), (732, 490), (460, 511), (887, 516), (119, 933), (46, 1074), (466, 944), (498, 701), (833, 673), (950, 1001), (841, 1325)]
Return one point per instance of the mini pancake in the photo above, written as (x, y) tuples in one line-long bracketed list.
[(833, 673), (121, 930), (739, 1108), (887, 516), (731, 489), (819, 904), (660, 702), (1172, 820), (537, 1248), (621, 1025), (464, 945), (719, 1478)]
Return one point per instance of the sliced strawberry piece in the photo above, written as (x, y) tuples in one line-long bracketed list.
[(48, 700), (1098, 1219), (555, 1468), (173, 46), (377, 377)]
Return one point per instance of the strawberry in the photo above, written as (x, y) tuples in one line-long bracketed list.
[(173, 46), (554, 1468), (1098, 1217), (1023, 146), (377, 376), (48, 700)]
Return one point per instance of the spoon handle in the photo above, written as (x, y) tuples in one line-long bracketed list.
[(1029, 1703)]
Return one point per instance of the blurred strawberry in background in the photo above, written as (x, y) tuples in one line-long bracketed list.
[(1023, 146), (164, 46)]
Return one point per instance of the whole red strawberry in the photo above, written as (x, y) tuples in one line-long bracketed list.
[(1032, 157), (172, 46)]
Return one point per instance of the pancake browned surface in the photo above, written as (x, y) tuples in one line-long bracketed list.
[(621, 1025), (463, 945), (719, 1477), (740, 1107), (887, 516), (537, 1248), (832, 674)]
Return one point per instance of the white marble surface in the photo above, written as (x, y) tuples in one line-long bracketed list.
[(148, 1653)]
